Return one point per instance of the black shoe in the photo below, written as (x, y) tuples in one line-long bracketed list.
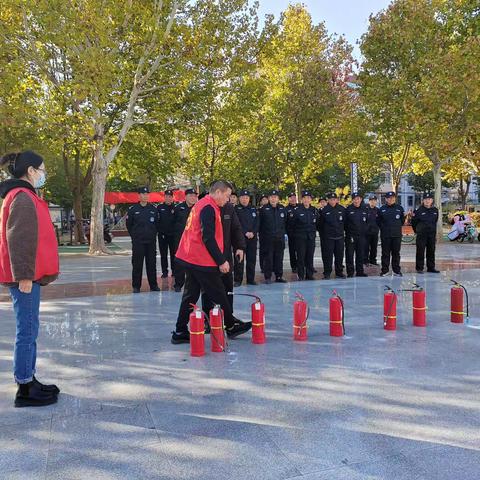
[(383, 274), (374, 264), (294, 270), (155, 289), (310, 277), (239, 328), (340, 275), (420, 271), (268, 281), (31, 395), (300, 279), (326, 276), (180, 337), (397, 274), (46, 388), (315, 270), (252, 283), (177, 288), (350, 275), (362, 274), (237, 284), (136, 290), (280, 280), (433, 270), (164, 275)]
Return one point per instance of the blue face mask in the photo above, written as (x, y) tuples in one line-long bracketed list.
[(40, 182)]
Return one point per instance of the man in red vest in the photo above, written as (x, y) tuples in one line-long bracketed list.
[(201, 252)]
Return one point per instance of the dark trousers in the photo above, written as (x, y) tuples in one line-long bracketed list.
[(166, 243), (144, 252), (250, 260), (322, 250), (333, 247), (292, 251), (227, 280), (209, 282), (371, 243), (178, 269), (305, 253), (426, 241), (261, 253), (391, 248), (354, 247), (274, 251)]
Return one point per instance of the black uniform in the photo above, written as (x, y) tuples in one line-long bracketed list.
[(390, 220), (180, 216), (142, 226), (248, 217), (166, 238), (332, 230), (304, 225), (424, 223), (292, 250), (272, 231), (371, 236), (355, 236)]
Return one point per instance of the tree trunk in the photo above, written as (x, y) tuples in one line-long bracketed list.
[(298, 188), (437, 181), (78, 211)]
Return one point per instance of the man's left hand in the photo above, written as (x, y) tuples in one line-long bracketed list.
[(239, 254)]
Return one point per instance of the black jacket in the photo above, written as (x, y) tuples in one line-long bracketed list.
[(248, 217), (304, 222), (180, 216), (390, 220), (332, 222), (233, 237), (356, 221), (142, 223), (290, 222), (372, 226), (273, 222), (166, 218), (424, 220)]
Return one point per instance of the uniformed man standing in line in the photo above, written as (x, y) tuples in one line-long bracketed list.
[(180, 215), (291, 206), (273, 218), (261, 253), (424, 223), (234, 199), (166, 237), (142, 226), (355, 235), (332, 231), (304, 225), (248, 217), (371, 242), (321, 205), (391, 217)]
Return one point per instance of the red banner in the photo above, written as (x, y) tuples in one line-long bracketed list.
[(113, 198)]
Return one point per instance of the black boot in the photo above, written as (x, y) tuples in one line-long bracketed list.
[(31, 395), (46, 388)]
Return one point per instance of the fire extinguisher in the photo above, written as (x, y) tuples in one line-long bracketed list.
[(300, 317), (217, 330), (456, 303), (197, 332), (337, 316), (258, 318), (419, 306), (389, 309)]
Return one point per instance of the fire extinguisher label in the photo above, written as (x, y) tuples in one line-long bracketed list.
[(198, 314), (257, 306), (215, 311)]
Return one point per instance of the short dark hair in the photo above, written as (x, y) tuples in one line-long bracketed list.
[(221, 185)]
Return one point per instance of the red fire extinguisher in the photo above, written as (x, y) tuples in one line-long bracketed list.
[(337, 316), (197, 332), (217, 333), (389, 309), (300, 316), (457, 309), (258, 322), (419, 306)]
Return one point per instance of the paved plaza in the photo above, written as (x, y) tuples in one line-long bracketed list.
[(371, 405)]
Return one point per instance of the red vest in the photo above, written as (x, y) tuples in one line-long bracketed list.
[(191, 248), (46, 262)]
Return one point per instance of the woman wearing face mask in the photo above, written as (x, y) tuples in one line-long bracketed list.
[(28, 259)]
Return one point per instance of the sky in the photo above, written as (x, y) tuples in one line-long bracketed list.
[(347, 17)]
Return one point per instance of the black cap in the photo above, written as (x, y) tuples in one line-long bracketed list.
[(356, 194), (324, 198), (188, 191), (263, 195), (390, 194), (168, 192), (274, 192), (143, 190), (331, 195), (427, 195), (292, 194), (306, 193), (372, 197), (244, 193), (234, 193)]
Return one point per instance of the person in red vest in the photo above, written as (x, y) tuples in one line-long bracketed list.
[(28, 260), (201, 252)]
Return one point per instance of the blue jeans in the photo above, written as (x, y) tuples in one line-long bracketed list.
[(27, 308)]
